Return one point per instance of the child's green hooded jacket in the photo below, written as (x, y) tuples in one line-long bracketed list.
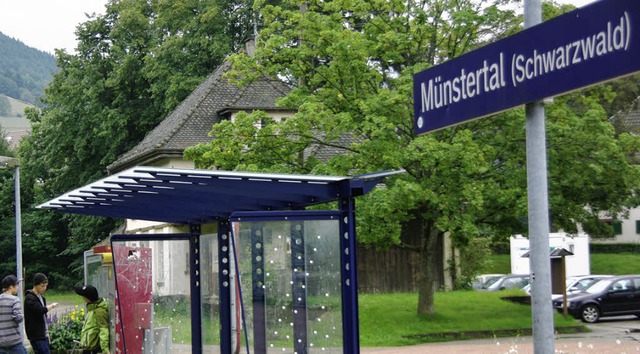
[(95, 332)]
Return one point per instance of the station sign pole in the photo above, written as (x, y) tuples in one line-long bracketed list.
[(538, 215)]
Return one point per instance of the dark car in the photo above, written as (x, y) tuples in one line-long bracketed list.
[(613, 296), (512, 281)]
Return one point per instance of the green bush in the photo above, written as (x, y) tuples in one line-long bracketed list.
[(614, 248), (500, 248), (601, 263), (473, 258), (63, 330), (504, 248)]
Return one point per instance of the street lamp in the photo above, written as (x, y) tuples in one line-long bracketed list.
[(6, 162)]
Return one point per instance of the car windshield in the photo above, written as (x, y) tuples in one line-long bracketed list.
[(496, 284), (490, 281), (584, 284), (598, 287)]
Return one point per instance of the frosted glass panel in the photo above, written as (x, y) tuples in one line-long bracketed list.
[(290, 278)]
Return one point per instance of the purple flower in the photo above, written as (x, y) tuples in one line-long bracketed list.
[(53, 318)]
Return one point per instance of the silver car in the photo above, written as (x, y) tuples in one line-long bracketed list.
[(512, 281), (574, 284)]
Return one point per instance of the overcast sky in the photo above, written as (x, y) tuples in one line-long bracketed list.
[(51, 24), (46, 24)]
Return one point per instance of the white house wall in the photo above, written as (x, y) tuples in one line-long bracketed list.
[(629, 230)]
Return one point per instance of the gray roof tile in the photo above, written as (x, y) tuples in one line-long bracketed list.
[(629, 119)]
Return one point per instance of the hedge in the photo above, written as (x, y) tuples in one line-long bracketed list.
[(503, 248)]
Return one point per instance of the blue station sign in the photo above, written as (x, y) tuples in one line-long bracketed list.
[(586, 46)]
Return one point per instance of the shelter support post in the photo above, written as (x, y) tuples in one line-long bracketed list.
[(298, 286), (224, 284), (258, 290), (351, 332), (196, 309)]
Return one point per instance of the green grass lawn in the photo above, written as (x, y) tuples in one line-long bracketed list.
[(388, 320), (66, 297), (391, 319)]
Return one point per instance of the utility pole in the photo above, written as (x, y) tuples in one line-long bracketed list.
[(6, 162)]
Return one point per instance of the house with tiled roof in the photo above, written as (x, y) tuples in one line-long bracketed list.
[(628, 120), (189, 124), (626, 229), (213, 101)]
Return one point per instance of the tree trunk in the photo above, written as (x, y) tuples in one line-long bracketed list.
[(428, 267)]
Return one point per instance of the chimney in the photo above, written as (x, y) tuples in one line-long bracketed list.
[(250, 47)]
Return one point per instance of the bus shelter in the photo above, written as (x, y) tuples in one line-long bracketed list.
[(271, 277)]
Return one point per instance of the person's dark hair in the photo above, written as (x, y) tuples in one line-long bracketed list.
[(39, 278)]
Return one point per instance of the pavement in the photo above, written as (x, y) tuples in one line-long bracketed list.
[(610, 336)]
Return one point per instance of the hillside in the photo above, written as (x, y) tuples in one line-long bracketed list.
[(24, 71), (12, 119)]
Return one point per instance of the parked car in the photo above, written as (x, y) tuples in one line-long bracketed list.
[(579, 284), (613, 296), (511, 281), (574, 284), (483, 278)]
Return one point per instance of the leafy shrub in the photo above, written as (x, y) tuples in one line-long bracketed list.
[(66, 328)]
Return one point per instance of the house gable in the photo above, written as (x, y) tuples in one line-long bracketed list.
[(190, 123)]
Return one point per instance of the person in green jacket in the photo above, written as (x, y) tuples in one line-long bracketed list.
[(94, 338)]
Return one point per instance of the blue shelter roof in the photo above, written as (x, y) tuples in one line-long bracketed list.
[(184, 196)]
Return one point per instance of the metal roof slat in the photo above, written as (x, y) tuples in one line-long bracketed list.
[(313, 194)]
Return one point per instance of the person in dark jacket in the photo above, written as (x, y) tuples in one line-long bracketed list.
[(94, 338), (35, 314)]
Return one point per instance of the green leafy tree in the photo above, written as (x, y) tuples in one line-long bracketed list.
[(132, 66), (350, 64), (5, 149)]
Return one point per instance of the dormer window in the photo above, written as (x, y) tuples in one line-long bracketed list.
[(278, 116)]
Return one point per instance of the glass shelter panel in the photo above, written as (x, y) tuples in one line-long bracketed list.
[(291, 285), (209, 293), (153, 297), (92, 265)]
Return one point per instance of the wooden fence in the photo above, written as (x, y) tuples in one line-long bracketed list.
[(389, 271)]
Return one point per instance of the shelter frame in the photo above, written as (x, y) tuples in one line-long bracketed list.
[(197, 197)]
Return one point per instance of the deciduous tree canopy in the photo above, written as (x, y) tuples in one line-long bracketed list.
[(132, 66), (350, 64)]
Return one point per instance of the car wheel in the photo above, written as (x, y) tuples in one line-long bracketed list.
[(590, 314)]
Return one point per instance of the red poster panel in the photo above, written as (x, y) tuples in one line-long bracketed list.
[(133, 296)]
